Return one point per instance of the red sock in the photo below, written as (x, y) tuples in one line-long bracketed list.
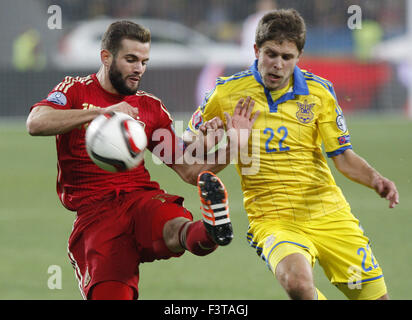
[(112, 290), (194, 237)]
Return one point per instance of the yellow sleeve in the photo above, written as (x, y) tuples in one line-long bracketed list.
[(209, 109), (332, 125)]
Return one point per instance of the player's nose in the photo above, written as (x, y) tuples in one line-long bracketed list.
[(138, 67), (278, 63)]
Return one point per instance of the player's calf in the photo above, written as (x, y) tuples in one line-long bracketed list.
[(195, 239), (182, 234)]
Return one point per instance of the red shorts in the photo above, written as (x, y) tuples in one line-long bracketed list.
[(111, 238)]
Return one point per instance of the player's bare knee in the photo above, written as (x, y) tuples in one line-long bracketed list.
[(171, 233), (300, 289), (295, 275), (298, 286)]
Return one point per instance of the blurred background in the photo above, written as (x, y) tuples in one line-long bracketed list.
[(196, 41), (367, 57)]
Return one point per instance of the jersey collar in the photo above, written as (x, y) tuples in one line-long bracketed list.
[(299, 87)]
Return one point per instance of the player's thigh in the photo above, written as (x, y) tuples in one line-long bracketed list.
[(346, 255), (151, 214), (273, 242), (103, 248)]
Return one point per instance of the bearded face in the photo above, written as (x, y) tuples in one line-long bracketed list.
[(128, 66)]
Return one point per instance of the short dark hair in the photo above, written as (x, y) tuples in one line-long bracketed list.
[(281, 25), (120, 30)]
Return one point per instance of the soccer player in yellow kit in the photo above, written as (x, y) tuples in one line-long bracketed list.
[(296, 212)]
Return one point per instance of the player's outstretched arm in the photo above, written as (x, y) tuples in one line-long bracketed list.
[(238, 129), (357, 169), (209, 135), (47, 121), (196, 159)]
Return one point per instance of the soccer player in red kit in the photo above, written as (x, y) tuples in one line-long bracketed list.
[(124, 218)]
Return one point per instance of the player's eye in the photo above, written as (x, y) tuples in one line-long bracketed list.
[(287, 57), (131, 58), (271, 54)]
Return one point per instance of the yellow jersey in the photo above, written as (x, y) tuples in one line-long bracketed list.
[(287, 176)]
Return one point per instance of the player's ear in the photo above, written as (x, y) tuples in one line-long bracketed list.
[(106, 57), (256, 51)]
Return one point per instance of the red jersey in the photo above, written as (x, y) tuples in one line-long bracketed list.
[(79, 180)]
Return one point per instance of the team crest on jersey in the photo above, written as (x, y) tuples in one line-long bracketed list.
[(305, 114)]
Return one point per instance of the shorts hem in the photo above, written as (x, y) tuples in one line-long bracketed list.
[(373, 289)]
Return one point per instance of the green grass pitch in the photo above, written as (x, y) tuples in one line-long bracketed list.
[(34, 227)]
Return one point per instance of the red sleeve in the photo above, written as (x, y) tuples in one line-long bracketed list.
[(164, 142), (63, 96)]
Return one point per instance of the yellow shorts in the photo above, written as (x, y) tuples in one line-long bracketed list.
[(338, 242)]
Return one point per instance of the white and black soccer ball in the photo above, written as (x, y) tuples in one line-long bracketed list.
[(116, 142)]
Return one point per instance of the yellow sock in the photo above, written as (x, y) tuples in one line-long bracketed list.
[(320, 295)]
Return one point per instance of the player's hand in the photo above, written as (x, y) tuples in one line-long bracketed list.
[(213, 131), (386, 189), (123, 107), (239, 126)]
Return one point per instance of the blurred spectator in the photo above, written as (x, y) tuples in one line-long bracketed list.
[(27, 52), (232, 20), (366, 38)]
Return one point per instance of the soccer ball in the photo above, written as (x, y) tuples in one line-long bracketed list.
[(115, 142)]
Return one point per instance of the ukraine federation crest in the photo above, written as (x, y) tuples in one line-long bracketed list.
[(305, 114)]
